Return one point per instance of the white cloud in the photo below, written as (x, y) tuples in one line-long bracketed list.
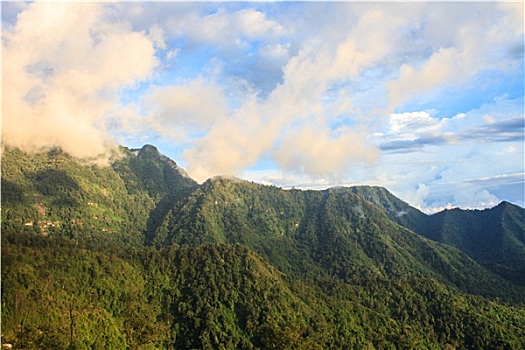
[(277, 52), (489, 119), (414, 131), (253, 129), (180, 110), (479, 43), (63, 67), (410, 125), (417, 198), (222, 27), (509, 150), (475, 199), (370, 36), (303, 86), (230, 146), (318, 151), (157, 36)]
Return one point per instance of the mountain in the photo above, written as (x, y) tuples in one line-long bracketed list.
[(156, 299), (52, 193), (335, 230), (396, 209), (138, 255), (493, 237)]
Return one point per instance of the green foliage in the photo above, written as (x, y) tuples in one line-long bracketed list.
[(53, 194), (494, 237), (305, 233), (138, 256), (59, 295)]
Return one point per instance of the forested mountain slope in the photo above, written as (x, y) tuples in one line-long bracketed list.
[(335, 231), (137, 255), (52, 193), (493, 237)]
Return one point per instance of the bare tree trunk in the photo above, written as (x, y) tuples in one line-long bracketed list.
[(71, 324)]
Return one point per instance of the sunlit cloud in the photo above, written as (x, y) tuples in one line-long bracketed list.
[(63, 67), (419, 97)]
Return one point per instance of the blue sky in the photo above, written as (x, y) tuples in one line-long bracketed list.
[(426, 99)]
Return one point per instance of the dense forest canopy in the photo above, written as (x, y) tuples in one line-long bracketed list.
[(137, 255)]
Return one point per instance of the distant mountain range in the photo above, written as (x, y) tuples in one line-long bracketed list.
[(138, 255), (493, 237)]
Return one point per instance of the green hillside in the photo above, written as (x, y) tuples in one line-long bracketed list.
[(52, 194), (136, 255), (493, 237), (59, 295), (308, 232)]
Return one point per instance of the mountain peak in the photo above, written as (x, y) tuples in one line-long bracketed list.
[(150, 150), (245, 264), (505, 205)]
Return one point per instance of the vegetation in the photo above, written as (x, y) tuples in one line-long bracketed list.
[(494, 237), (138, 256)]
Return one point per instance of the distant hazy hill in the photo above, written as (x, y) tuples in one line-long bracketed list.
[(493, 237), (138, 255)]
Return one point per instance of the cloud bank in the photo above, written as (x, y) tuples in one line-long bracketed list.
[(63, 67), (321, 94)]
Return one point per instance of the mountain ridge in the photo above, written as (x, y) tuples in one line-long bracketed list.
[(482, 234), (339, 267), (159, 185)]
